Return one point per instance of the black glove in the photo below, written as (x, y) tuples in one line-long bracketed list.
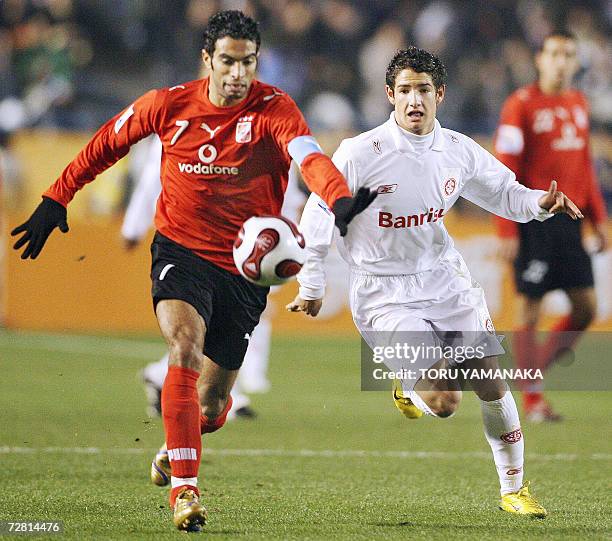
[(47, 216), (346, 208)]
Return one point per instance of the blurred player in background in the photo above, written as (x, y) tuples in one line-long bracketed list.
[(228, 141), (138, 219), (406, 275), (544, 133)]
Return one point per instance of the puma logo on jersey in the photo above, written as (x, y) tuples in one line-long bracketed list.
[(210, 131), (387, 220)]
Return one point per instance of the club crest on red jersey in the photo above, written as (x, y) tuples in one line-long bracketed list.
[(244, 129)]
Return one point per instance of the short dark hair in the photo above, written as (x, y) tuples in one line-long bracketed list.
[(418, 60), (557, 33), (232, 23)]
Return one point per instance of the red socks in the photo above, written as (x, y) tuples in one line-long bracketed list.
[(526, 356), (210, 425), (181, 414), (529, 354), (562, 336), (184, 424)]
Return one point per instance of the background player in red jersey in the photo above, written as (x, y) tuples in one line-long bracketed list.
[(228, 141), (543, 134)]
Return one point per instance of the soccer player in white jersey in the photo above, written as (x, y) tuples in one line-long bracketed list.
[(406, 275)]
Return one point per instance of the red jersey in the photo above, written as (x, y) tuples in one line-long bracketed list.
[(543, 137), (219, 167)]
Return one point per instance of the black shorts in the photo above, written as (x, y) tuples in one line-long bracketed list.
[(229, 305), (551, 256)]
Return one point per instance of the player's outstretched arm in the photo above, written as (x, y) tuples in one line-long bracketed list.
[(309, 307), (36, 230), (557, 202), (346, 208)]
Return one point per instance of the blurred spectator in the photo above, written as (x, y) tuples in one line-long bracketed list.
[(73, 63)]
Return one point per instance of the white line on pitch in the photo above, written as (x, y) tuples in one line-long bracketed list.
[(324, 453)]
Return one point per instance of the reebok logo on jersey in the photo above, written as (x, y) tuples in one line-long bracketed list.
[(386, 188), (386, 219)]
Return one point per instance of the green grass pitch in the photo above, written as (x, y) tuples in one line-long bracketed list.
[(322, 461)]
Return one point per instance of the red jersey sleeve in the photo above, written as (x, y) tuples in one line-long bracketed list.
[(110, 143), (509, 146), (320, 174)]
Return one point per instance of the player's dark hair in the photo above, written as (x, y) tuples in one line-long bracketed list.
[(557, 33), (418, 60), (232, 23)]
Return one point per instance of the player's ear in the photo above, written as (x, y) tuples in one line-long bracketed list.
[(206, 59), (390, 94), (440, 92)]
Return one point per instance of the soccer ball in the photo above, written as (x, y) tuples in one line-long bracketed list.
[(269, 250)]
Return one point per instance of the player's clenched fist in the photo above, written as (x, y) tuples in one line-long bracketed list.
[(47, 216), (557, 202), (346, 208), (311, 308)]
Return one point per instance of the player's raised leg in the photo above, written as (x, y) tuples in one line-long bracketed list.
[(214, 388), (502, 429), (184, 331), (440, 398)]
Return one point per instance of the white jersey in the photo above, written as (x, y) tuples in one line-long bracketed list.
[(402, 231)]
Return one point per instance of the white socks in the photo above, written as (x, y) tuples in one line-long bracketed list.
[(503, 432)]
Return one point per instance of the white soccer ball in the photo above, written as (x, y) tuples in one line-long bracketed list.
[(269, 250)]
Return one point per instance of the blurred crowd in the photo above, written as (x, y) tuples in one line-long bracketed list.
[(73, 63)]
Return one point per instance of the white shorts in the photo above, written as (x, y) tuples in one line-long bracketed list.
[(439, 307)]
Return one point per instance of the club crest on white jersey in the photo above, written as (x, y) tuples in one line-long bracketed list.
[(450, 181)]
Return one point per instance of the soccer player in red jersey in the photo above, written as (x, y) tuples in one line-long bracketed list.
[(543, 134), (228, 141)]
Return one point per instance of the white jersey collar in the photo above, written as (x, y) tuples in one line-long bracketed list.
[(400, 141)]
